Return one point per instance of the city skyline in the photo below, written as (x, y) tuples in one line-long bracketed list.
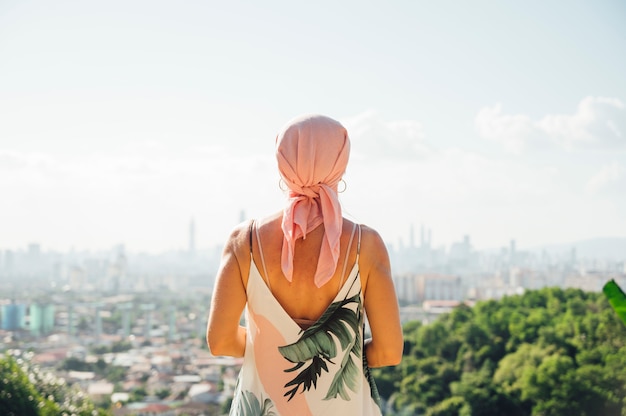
[(602, 248), (499, 121)]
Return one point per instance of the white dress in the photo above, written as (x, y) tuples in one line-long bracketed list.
[(288, 371)]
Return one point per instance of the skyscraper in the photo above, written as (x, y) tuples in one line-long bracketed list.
[(13, 316), (192, 237), (147, 308), (126, 309), (41, 318)]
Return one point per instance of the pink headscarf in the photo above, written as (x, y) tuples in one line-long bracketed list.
[(312, 153)]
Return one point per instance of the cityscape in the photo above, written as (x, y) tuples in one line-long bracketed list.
[(128, 329), (487, 146)]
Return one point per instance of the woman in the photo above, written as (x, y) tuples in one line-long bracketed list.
[(308, 277)]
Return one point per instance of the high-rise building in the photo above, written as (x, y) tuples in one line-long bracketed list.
[(8, 262), (147, 308), (13, 316), (192, 237), (512, 253), (41, 318), (126, 309)]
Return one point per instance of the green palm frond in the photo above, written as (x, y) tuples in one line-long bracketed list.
[(616, 298), (317, 346), (348, 373), (306, 377), (346, 376)]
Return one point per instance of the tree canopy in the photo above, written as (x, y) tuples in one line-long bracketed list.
[(548, 352), (25, 390)]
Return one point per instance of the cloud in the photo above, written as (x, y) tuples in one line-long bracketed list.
[(11, 161), (598, 123), (145, 194), (140, 196), (612, 176), (376, 139)]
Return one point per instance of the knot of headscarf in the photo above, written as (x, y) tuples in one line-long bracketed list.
[(312, 154)]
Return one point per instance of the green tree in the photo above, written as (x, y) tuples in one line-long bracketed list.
[(25, 390), (163, 393), (18, 396), (547, 352)]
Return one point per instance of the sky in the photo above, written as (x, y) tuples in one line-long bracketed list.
[(121, 121)]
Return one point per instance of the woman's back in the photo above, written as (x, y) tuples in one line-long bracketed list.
[(301, 298), (304, 355)]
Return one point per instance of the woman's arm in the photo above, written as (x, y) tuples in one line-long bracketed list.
[(381, 304), (224, 334)]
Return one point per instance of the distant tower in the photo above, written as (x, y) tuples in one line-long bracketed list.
[(34, 251), (125, 308), (13, 316), (9, 263), (192, 237), (41, 318), (242, 216), (412, 237), (512, 252), (147, 308), (572, 257)]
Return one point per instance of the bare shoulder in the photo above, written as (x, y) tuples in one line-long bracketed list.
[(374, 260), (371, 241), (238, 242)]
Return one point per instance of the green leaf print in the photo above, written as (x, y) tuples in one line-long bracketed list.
[(348, 373), (316, 346), (346, 376), (249, 405)]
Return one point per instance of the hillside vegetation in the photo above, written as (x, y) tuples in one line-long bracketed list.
[(548, 352)]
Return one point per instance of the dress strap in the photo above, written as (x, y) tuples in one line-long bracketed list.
[(345, 263), (258, 240), (250, 235), (358, 245)]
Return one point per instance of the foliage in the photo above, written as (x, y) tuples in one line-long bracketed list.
[(25, 390), (138, 394), (549, 352), (163, 393), (617, 298), (117, 346)]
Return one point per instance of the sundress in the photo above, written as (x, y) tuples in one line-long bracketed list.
[(290, 371)]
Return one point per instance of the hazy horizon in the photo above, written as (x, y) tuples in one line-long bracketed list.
[(119, 122)]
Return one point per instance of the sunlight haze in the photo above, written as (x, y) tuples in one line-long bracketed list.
[(121, 121)]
